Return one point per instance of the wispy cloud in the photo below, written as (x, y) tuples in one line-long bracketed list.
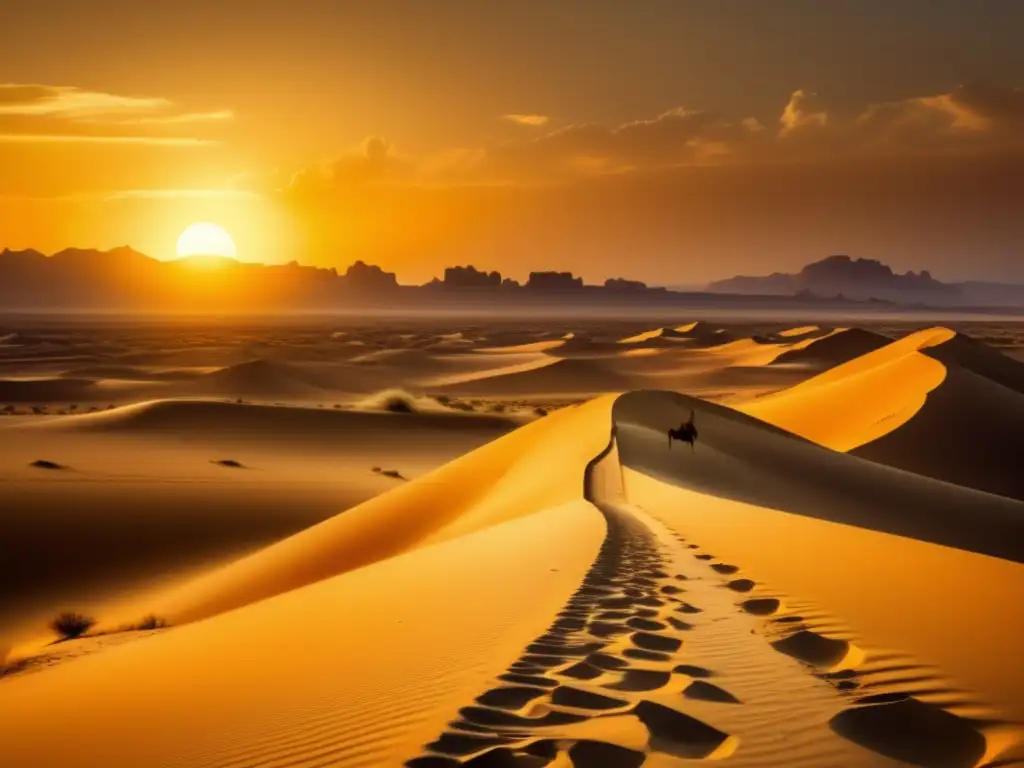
[(166, 141), (70, 102), (36, 114), (185, 118), (534, 121), (174, 194)]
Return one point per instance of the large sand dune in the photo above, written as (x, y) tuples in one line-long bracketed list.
[(140, 497), (935, 393), (577, 592)]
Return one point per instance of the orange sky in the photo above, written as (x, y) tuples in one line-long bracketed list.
[(671, 141)]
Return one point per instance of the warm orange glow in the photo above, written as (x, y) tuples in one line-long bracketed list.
[(206, 239)]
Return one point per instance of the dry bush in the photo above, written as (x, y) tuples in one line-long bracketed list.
[(70, 625)]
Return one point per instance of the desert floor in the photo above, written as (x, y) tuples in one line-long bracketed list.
[(441, 543)]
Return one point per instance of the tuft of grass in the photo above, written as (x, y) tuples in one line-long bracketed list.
[(398, 404), (46, 464), (69, 625), (151, 622)]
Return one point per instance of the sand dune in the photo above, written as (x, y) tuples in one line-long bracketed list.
[(832, 348), (934, 397), (58, 390), (557, 376), (576, 592), (143, 501), (815, 524)]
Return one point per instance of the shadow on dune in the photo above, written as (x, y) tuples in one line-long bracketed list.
[(744, 459)]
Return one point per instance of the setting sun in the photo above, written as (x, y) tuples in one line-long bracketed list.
[(206, 240)]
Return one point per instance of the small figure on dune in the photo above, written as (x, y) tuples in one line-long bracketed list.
[(686, 433)]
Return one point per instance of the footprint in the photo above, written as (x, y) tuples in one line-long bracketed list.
[(682, 626), (705, 557), (582, 671), (687, 608), (645, 624), (510, 697), (606, 661), (692, 671), (814, 649), (640, 680), (907, 729), (639, 653), (600, 753), (541, 682), (653, 642), (761, 606), (566, 696), (724, 568), (741, 585), (679, 734), (703, 691)]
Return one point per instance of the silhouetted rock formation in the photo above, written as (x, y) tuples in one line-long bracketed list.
[(124, 280), (370, 277), (470, 277), (841, 276), (622, 284), (554, 281)]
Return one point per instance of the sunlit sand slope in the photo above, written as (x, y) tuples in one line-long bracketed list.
[(557, 599), (356, 670), (139, 496), (535, 467), (933, 402)]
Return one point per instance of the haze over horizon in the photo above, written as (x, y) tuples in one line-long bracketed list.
[(672, 142)]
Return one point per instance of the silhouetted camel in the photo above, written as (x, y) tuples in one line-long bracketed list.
[(687, 433)]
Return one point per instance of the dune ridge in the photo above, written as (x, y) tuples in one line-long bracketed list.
[(942, 390), (618, 600)]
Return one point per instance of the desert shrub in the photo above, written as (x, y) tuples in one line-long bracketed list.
[(70, 625), (231, 463), (152, 622), (540, 411), (46, 464), (396, 404), (443, 399)]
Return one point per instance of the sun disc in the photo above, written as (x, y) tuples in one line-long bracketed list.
[(206, 239)]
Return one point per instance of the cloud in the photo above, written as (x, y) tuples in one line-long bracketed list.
[(986, 119), (175, 194), (534, 121), (185, 118), (166, 141), (70, 102), (31, 113), (797, 114)]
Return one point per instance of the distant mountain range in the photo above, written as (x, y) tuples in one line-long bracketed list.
[(866, 279), (124, 280)]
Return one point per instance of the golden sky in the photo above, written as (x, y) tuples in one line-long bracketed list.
[(669, 140)]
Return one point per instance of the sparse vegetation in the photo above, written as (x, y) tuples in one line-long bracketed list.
[(46, 464), (398, 404), (443, 399), (151, 622), (540, 411), (69, 625)]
